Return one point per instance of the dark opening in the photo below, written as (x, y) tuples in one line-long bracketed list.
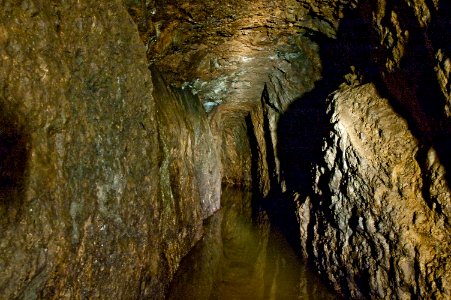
[(13, 162)]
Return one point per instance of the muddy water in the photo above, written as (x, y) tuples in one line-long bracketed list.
[(244, 257)]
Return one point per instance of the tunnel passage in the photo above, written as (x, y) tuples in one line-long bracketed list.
[(234, 146), (13, 163), (226, 51), (306, 59)]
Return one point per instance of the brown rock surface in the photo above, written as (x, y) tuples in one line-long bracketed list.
[(278, 62), (107, 172), (369, 223), (377, 222), (75, 217), (99, 197)]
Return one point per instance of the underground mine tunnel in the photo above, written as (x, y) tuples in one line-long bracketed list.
[(230, 149)]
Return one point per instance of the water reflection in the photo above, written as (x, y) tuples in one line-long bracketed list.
[(241, 257)]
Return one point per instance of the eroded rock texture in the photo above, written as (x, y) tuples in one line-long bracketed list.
[(189, 169), (377, 222), (371, 229), (99, 195), (74, 216)]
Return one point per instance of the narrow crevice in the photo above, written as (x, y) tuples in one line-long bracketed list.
[(363, 279), (301, 131), (255, 174), (270, 155), (440, 27)]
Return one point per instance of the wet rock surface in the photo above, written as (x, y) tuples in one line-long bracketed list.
[(189, 171), (373, 166)]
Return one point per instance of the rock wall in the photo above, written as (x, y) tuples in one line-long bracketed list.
[(228, 53), (377, 221), (189, 166), (368, 227), (416, 74), (99, 196)]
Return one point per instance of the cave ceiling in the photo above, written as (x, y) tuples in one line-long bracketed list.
[(226, 51)]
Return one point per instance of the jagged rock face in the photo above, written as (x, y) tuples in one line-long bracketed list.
[(190, 159), (235, 148), (377, 223), (98, 195), (410, 61), (369, 227)]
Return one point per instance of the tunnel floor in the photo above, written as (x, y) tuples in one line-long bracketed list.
[(243, 256)]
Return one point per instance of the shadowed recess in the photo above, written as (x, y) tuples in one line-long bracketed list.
[(13, 163)]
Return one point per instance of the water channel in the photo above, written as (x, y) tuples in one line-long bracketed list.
[(243, 256)]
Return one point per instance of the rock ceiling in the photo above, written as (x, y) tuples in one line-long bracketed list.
[(227, 51)]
